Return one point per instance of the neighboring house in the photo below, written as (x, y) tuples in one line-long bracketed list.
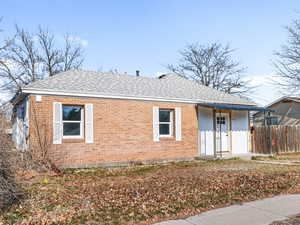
[(92, 118), (283, 111)]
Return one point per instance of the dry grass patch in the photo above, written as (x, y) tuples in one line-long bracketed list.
[(289, 156), (147, 194), (293, 157)]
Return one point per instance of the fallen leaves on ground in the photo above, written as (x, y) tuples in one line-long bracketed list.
[(293, 220), (147, 194)]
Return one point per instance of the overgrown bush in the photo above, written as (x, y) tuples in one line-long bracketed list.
[(15, 163), (10, 192)]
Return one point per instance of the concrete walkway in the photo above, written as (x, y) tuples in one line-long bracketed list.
[(260, 212)]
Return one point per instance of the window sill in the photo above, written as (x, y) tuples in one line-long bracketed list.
[(73, 140), (167, 138)]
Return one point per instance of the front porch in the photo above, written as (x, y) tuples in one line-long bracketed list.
[(224, 130)]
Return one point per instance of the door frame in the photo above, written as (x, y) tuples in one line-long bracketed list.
[(229, 141)]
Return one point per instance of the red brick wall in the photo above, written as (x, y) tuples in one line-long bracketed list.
[(123, 131)]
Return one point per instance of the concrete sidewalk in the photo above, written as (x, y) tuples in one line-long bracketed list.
[(260, 212)]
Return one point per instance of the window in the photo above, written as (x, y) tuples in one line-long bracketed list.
[(166, 122), (272, 121), (72, 120), (221, 120)]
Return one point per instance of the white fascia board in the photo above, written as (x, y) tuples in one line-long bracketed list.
[(158, 99), (33, 91)]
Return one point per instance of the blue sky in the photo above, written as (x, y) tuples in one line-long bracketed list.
[(145, 35)]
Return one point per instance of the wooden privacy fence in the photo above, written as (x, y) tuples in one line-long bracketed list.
[(275, 139)]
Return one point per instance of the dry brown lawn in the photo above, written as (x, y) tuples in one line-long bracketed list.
[(289, 156), (146, 194), (293, 157)]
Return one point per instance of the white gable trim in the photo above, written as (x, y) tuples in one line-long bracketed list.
[(63, 93), (27, 91)]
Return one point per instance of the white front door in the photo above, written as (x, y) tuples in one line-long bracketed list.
[(222, 132)]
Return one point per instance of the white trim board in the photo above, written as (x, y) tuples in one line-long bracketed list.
[(62, 93), (177, 100)]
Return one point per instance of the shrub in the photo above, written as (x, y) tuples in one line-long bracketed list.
[(10, 192)]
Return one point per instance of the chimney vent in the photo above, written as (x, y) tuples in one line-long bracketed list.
[(137, 73)]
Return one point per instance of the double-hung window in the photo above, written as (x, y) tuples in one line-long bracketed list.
[(166, 122), (72, 121)]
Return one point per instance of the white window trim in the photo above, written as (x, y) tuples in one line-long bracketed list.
[(171, 123), (81, 136)]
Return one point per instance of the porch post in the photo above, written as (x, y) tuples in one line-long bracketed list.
[(270, 134), (220, 134), (214, 132), (199, 132)]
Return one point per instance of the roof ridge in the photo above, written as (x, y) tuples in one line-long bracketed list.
[(110, 73)]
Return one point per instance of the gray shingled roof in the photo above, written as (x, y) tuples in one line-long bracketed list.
[(170, 86)]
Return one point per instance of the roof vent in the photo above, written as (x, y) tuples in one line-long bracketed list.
[(162, 76), (137, 73)]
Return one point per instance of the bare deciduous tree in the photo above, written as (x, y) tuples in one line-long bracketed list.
[(72, 55), (20, 61), (212, 65), (114, 71), (3, 64), (287, 63), (50, 55), (33, 56)]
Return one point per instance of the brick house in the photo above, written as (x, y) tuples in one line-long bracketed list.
[(89, 118)]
